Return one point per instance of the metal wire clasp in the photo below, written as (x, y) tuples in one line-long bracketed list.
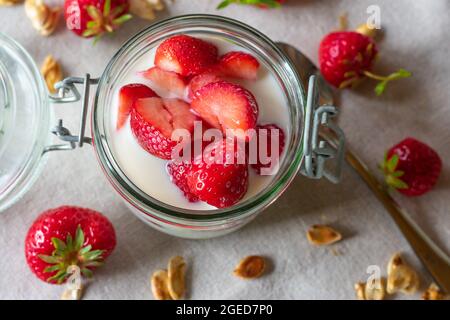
[(318, 152), (68, 93)]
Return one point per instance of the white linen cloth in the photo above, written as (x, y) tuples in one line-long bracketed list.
[(416, 38)]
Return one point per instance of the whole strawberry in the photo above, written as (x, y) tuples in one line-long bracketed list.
[(411, 167), (346, 57), (92, 18), (67, 236)]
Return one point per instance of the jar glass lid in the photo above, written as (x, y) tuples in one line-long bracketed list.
[(24, 121)]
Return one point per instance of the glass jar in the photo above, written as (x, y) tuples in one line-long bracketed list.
[(302, 148)]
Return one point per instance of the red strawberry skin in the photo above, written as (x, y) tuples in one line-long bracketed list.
[(185, 55), (265, 6), (218, 184), (420, 163), (166, 80), (58, 223), (128, 94), (153, 121), (225, 106), (178, 172), (74, 8), (344, 56), (239, 65), (268, 136)]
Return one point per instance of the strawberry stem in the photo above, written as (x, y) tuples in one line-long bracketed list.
[(366, 30), (384, 80)]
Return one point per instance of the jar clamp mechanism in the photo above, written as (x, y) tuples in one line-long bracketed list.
[(68, 93), (318, 152)]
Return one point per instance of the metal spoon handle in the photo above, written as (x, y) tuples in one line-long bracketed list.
[(434, 259)]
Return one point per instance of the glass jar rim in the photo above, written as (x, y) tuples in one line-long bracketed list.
[(151, 206)]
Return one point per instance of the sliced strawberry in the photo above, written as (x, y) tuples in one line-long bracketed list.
[(167, 81), (185, 55), (200, 81), (266, 132), (127, 96), (178, 172), (154, 119), (239, 64), (225, 106), (219, 184)]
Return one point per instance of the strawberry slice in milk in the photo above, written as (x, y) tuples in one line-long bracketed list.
[(223, 87)]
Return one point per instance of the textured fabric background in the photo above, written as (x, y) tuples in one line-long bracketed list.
[(416, 39)]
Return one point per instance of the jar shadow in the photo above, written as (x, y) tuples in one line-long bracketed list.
[(306, 197)]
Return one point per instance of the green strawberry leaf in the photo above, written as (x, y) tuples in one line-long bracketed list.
[(122, 19), (117, 10), (107, 8), (69, 242), (85, 250), (71, 253), (396, 183), (91, 24), (96, 39), (268, 3), (392, 163), (93, 12), (59, 276), (89, 32), (87, 273), (93, 264), (398, 174), (401, 73), (52, 268), (92, 255), (380, 87), (58, 244), (224, 4)]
